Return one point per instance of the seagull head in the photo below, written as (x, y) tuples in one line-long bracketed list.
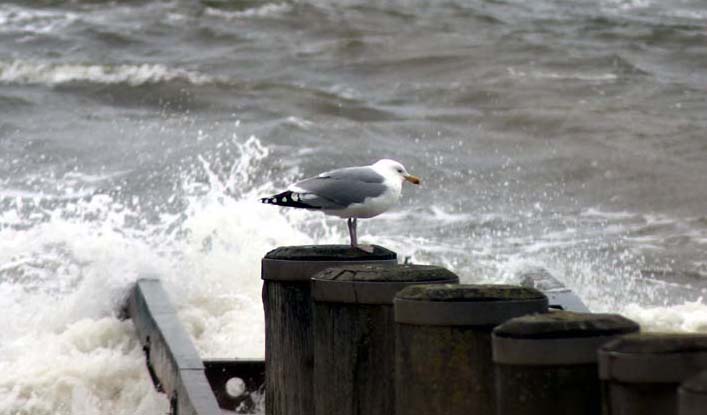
[(395, 169)]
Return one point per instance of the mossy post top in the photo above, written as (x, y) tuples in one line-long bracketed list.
[(658, 343), (466, 304), (329, 253), (470, 293), (557, 338), (376, 273), (565, 324), (374, 284), (299, 263), (644, 357)]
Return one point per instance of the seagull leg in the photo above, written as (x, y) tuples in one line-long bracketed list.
[(354, 237), (351, 222)]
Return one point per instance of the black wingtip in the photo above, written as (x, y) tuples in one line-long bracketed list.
[(288, 199), (278, 199)]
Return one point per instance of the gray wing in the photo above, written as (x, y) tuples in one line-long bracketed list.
[(362, 174), (340, 188)]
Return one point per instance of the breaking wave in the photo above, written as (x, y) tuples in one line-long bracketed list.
[(26, 72), (16, 19)]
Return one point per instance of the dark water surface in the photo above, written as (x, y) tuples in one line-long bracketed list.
[(136, 136)]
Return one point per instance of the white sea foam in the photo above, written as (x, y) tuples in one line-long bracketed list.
[(63, 349), (266, 10), (92, 178), (28, 72), (699, 15), (62, 280), (579, 76), (590, 77), (71, 186), (17, 19), (686, 317), (625, 5), (441, 216), (592, 211), (300, 122)]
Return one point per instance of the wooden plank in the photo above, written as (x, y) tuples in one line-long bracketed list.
[(171, 357)]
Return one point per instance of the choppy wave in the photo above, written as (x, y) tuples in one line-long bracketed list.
[(28, 72), (73, 265), (690, 14), (72, 244), (625, 5)]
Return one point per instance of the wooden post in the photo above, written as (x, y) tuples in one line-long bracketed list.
[(547, 363), (692, 395), (286, 277), (443, 345), (354, 344), (641, 373)]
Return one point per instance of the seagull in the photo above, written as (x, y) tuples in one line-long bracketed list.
[(352, 192)]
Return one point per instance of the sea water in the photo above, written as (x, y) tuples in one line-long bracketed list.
[(136, 138)]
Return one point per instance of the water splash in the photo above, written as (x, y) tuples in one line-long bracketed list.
[(66, 272)]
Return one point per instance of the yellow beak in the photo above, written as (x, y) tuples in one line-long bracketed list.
[(412, 179)]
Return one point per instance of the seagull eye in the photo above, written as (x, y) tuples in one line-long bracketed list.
[(399, 170)]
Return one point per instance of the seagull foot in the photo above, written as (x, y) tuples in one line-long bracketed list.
[(366, 248)]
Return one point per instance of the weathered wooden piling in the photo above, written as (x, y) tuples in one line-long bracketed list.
[(286, 274), (692, 395), (547, 363), (354, 343), (443, 345), (641, 373)]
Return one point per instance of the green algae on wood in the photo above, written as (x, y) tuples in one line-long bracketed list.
[(659, 343), (378, 273), (565, 324), (470, 292)]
